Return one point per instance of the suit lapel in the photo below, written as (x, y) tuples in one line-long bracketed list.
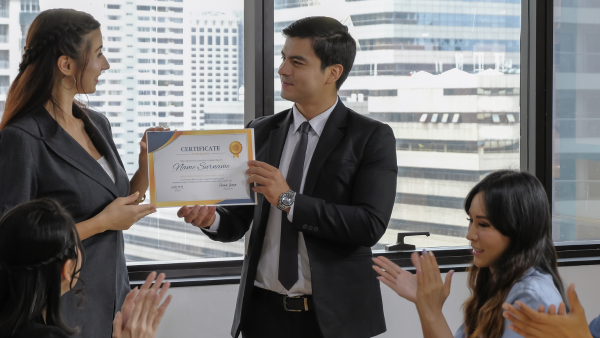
[(330, 137), (277, 139), (57, 139), (275, 149), (275, 146)]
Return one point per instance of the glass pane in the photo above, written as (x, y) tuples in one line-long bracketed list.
[(445, 76), (576, 122), (175, 63)]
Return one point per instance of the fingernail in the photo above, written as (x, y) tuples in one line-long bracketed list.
[(419, 271), (505, 307), (422, 257), (451, 272), (424, 251), (136, 193)]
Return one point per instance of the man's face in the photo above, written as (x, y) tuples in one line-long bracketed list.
[(300, 71)]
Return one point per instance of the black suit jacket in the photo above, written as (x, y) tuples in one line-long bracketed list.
[(40, 159), (344, 210)]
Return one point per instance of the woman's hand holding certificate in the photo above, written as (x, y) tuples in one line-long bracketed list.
[(205, 167)]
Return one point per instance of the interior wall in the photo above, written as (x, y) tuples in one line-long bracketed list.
[(207, 311)]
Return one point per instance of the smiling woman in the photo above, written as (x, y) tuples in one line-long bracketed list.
[(53, 146), (514, 260)]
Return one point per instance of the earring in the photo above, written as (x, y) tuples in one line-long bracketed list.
[(62, 82)]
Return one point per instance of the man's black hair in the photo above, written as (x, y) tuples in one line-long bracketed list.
[(330, 40)]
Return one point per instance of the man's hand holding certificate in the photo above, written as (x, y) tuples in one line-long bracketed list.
[(205, 167)]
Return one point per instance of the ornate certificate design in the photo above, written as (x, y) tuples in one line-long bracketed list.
[(204, 167)]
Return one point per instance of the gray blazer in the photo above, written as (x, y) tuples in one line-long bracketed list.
[(535, 288), (38, 158)]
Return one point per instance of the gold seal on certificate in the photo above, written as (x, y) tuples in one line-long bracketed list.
[(236, 148), (197, 167)]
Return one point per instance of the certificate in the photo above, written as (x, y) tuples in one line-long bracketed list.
[(205, 167)]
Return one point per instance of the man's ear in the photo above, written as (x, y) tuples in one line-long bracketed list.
[(65, 65), (335, 71)]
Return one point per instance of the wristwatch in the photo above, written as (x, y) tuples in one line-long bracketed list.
[(286, 200)]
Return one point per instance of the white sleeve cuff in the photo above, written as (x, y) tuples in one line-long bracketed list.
[(215, 226), (290, 215)]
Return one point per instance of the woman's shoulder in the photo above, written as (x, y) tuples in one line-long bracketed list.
[(24, 125), (39, 330), (460, 332), (534, 288)]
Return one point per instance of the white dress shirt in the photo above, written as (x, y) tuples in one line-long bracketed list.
[(268, 265)]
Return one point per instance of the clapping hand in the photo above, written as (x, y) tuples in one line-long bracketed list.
[(531, 324), (401, 281), (431, 291), (141, 314), (425, 289)]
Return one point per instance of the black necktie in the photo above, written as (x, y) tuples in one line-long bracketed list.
[(288, 250)]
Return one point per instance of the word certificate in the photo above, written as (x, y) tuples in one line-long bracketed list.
[(205, 167)]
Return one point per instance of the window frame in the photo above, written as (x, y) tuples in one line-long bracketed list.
[(535, 147)]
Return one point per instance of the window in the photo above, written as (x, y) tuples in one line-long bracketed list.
[(4, 34), (575, 137), (460, 85), (4, 11), (156, 94)]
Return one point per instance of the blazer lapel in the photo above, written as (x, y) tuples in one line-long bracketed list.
[(121, 179), (57, 139), (277, 139), (275, 145), (330, 137)]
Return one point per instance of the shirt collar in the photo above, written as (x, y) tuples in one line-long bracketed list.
[(317, 123)]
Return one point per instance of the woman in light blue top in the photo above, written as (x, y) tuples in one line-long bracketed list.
[(513, 260)]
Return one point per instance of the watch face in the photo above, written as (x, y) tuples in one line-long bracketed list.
[(285, 199)]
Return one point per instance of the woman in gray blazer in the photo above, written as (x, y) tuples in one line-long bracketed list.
[(50, 146)]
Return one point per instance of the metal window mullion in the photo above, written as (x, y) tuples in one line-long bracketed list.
[(536, 90), (258, 59)]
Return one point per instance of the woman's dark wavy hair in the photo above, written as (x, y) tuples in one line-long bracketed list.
[(53, 33), (517, 206), (36, 239)]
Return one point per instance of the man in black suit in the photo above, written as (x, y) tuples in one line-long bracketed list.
[(326, 181)]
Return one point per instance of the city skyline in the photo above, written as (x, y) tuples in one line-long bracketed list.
[(443, 74)]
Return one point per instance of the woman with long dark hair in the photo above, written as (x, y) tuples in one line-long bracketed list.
[(510, 229), (52, 146), (41, 257)]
